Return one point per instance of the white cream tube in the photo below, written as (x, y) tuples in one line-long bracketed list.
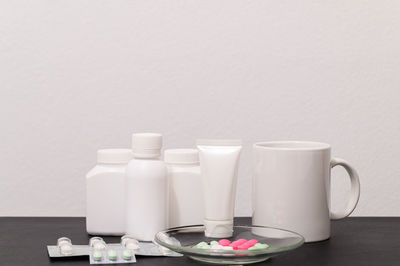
[(219, 160)]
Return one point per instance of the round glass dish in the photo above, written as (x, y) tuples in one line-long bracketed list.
[(184, 240)]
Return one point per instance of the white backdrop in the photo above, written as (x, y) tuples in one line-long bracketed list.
[(76, 76)]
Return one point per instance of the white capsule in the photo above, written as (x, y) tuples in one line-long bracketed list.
[(227, 248), (66, 249), (65, 245), (217, 247)]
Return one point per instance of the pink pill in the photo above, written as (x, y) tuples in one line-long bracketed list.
[(234, 245), (237, 243), (244, 246), (224, 242), (252, 242), (241, 241)]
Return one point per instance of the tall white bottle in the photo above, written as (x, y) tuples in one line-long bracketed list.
[(146, 188)]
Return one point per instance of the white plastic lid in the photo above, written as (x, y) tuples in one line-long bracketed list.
[(114, 156), (181, 156), (218, 229), (146, 145)]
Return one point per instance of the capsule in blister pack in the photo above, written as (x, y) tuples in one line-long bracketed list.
[(130, 243), (65, 246)]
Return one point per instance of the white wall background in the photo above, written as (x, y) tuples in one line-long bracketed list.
[(76, 76)]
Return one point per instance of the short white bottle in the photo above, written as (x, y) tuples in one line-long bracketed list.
[(185, 195), (146, 188), (105, 185)]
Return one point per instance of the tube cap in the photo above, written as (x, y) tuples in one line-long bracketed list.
[(181, 156), (146, 145), (114, 156), (218, 229)]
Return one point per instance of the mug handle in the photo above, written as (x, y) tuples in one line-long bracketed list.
[(355, 189)]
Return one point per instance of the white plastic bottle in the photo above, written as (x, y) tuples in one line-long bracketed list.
[(185, 195), (146, 188), (105, 186)]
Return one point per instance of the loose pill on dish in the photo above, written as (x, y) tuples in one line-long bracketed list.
[(203, 245), (244, 246), (252, 241), (259, 246), (237, 243), (213, 243), (224, 242), (248, 244), (241, 241)]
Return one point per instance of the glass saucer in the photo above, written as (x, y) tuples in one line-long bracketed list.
[(184, 240)]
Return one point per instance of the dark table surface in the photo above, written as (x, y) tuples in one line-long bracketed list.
[(355, 241)]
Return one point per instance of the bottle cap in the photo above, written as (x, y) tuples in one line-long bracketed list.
[(146, 145), (114, 156), (181, 156), (218, 229)]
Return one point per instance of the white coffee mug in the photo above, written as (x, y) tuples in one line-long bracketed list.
[(291, 187)]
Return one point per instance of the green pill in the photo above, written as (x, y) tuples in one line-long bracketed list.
[(262, 246), (258, 246), (203, 245), (213, 243), (97, 256), (112, 255), (127, 254)]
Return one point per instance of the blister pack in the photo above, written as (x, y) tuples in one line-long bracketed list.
[(100, 252)]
